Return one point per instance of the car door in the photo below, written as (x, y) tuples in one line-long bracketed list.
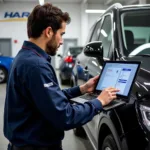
[(94, 66)]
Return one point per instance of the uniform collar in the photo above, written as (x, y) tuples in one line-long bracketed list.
[(37, 49)]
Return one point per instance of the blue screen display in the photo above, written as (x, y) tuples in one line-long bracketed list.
[(118, 75)]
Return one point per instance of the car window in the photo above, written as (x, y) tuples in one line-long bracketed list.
[(141, 50), (135, 31), (96, 32), (145, 51), (66, 52), (105, 35), (74, 51)]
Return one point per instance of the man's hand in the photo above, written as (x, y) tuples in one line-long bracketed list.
[(89, 86), (107, 95)]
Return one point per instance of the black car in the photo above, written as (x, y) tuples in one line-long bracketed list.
[(67, 63), (121, 29)]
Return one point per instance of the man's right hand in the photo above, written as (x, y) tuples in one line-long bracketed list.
[(107, 95)]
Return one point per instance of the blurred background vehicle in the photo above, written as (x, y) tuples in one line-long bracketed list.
[(67, 63), (5, 63)]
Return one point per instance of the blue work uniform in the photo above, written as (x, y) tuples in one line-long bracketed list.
[(37, 111)]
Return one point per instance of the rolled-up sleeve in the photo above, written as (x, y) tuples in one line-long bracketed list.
[(53, 103)]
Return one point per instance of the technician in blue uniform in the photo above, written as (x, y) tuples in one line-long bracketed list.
[(37, 111)]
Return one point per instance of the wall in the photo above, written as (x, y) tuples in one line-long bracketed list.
[(17, 30), (14, 30), (93, 17)]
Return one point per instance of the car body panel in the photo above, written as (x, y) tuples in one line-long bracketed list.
[(5, 64), (6, 61)]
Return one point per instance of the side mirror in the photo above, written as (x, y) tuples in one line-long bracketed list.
[(59, 55), (1, 54), (94, 49)]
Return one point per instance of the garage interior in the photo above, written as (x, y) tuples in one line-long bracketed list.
[(13, 32)]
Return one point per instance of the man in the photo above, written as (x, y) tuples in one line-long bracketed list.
[(37, 111)]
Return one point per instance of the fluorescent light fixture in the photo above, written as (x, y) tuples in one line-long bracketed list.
[(41, 2), (94, 11)]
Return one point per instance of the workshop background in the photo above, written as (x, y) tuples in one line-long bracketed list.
[(13, 20)]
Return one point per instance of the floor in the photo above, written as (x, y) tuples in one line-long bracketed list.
[(71, 142)]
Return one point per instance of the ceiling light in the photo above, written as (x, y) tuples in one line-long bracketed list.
[(41, 2), (94, 11)]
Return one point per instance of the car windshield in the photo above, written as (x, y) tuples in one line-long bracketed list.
[(74, 51), (136, 32)]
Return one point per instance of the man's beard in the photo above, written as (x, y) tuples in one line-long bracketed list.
[(51, 47)]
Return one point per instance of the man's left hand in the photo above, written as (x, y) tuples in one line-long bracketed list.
[(89, 86)]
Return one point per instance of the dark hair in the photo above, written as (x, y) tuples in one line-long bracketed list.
[(43, 16)]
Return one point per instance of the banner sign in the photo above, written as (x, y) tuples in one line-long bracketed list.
[(15, 16)]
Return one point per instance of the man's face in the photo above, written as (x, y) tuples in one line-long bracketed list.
[(54, 43)]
